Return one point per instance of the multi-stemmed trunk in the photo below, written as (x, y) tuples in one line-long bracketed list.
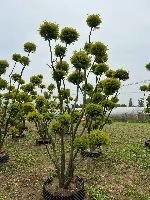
[(65, 173), (1, 146)]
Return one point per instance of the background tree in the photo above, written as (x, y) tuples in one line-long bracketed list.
[(146, 88), (141, 102), (130, 103), (9, 104), (121, 105)]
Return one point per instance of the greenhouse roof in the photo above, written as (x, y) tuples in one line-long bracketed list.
[(127, 110)]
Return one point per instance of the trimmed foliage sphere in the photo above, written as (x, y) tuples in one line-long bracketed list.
[(93, 21), (49, 31), (69, 35)]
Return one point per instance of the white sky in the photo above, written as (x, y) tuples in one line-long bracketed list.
[(125, 29)]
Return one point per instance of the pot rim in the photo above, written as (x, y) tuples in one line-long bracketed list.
[(79, 181)]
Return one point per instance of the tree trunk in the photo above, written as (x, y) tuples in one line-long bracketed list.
[(69, 176), (63, 160), (1, 142)]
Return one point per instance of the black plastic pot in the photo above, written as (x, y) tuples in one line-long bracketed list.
[(18, 136), (91, 154), (147, 143), (67, 133), (78, 195), (42, 142), (4, 157)]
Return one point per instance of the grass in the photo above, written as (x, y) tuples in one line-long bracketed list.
[(122, 172)]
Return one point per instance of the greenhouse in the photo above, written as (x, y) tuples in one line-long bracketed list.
[(129, 113)]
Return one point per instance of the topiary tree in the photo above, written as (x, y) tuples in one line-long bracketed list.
[(146, 88), (43, 113), (10, 97), (24, 102), (98, 97)]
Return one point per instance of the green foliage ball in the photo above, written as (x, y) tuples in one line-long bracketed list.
[(60, 51), (87, 47), (98, 138), (3, 84), (144, 88), (3, 65), (63, 65), (64, 119), (99, 69), (16, 77), (110, 73), (81, 143), (59, 75), (34, 116), (94, 110), (108, 104), (93, 21), (24, 61), (51, 87), (56, 127), (121, 74), (49, 31), (97, 97), (29, 47), (98, 49), (76, 77), (28, 107), (23, 97), (16, 57), (36, 80), (65, 93), (110, 85), (69, 35), (80, 60), (28, 87), (40, 101)]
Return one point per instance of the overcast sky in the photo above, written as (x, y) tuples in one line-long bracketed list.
[(125, 29)]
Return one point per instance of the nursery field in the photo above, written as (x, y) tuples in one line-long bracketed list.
[(121, 173)]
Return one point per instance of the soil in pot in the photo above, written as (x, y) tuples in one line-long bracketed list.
[(51, 191), (147, 143), (43, 142), (3, 157), (91, 153)]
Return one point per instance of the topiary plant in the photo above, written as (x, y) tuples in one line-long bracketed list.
[(10, 97), (146, 88), (97, 98), (25, 105), (42, 115), (95, 139)]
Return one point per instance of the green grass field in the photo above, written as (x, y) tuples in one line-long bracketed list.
[(121, 173)]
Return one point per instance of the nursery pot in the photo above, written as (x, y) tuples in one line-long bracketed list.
[(18, 136), (147, 143), (42, 142), (67, 133), (91, 153), (3, 157), (79, 194)]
